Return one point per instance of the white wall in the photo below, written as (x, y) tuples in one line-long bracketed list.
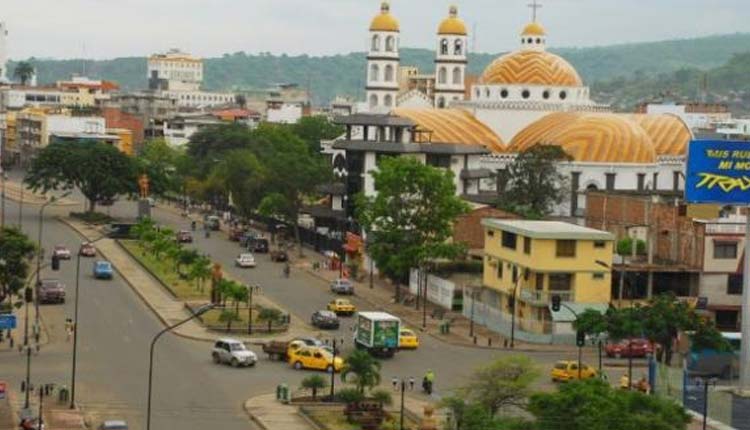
[(199, 98), (287, 114), (439, 291), (714, 287), (67, 124)]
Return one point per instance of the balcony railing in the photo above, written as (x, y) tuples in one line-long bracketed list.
[(540, 297)]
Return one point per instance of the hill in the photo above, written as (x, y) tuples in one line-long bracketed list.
[(343, 74)]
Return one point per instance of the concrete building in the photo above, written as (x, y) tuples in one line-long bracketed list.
[(179, 75), (178, 129), (151, 109), (451, 60), (35, 129), (697, 116), (383, 61), (19, 97), (3, 52), (733, 129)]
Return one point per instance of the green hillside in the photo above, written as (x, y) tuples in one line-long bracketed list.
[(343, 74)]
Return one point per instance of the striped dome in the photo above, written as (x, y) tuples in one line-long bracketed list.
[(590, 137), (452, 126), (531, 67), (670, 134)]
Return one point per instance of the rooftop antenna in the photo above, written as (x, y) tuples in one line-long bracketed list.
[(534, 7)]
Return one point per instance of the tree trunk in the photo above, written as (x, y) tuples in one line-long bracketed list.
[(315, 393), (92, 205), (297, 238)]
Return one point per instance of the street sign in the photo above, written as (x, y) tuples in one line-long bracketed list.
[(718, 172), (3, 388), (7, 321)]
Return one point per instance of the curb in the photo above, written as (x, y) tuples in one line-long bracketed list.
[(252, 417)]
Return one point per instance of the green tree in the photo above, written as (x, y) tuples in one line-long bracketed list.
[(269, 314), (313, 129), (24, 71), (159, 161), (532, 184), (314, 383), (100, 171), (663, 319), (591, 322), (209, 144), (383, 397), (594, 405), (411, 218), (240, 175), (505, 382), (16, 252), (363, 369), (200, 270)]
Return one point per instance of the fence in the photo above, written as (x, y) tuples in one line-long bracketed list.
[(526, 329)]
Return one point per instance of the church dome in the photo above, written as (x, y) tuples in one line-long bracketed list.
[(453, 24), (533, 29), (454, 126), (670, 134), (590, 137), (531, 67), (385, 21)]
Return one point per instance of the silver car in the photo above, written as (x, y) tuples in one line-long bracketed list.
[(234, 352), (342, 286)]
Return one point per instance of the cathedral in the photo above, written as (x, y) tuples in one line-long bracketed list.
[(524, 98)]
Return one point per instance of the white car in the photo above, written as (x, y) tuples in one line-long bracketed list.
[(234, 352), (245, 260)]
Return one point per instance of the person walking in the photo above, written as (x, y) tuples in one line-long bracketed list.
[(68, 329)]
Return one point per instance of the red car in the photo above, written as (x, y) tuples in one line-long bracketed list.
[(629, 348), (87, 250), (61, 252)]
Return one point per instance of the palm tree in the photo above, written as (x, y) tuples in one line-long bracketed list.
[(364, 367), (200, 270), (23, 72), (314, 383)]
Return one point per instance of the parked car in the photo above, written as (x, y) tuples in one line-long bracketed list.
[(213, 222), (247, 238), (407, 339), (325, 319), (259, 245), (342, 307), (103, 270), (245, 260), (629, 348), (119, 230), (568, 370), (279, 256), (342, 286), (234, 352), (310, 357), (184, 236), (236, 233), (87, 250), (51, 291), (113, 425), (61, 252)]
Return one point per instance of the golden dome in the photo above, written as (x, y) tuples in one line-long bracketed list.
[(533, 29), (531, 67), (453, 24), (385, 21), (451, 126), (670, 134), (590, 137)]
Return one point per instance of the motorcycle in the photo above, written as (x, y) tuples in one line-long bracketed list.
[(427, 386)]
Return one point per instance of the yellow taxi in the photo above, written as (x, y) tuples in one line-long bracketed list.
[(311, 357), (407, 339), (342, 307), (568, 371)]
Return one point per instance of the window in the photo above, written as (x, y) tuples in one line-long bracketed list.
[(611, 181), (444, 47), (641, 181), (563, 95), (600, 244), (390, 44), (374, 72), (566, 248), (373, 100), (725, 250), (388, 73), (676, 180), (376, 43), (457, 76), (504, 93), (598, 276), (525, 94), (527, 245), (458, 47), (441, 102), (490, 233), (560, 281), (499, 270), (539, 281), (388, 100), (529, 40), (538, 40), (509, 240), (443, 75), (545, 94), (515, 274), (734, 285), (438, 160)]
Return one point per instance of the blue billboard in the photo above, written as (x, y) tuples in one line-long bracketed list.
[(718, 171)]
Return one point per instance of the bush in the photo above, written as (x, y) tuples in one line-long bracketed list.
[(458, 266), (92, 217), (625, 247), (349, 395), (314, 383), (269, 314), (382, 396)]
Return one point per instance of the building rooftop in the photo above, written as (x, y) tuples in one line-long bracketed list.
[(547, 229), (373, 119), (409, 148)]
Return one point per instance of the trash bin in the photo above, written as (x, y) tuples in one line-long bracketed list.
[(278, 392), (284, 393)]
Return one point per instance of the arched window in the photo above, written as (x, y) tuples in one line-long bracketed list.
[(388, 100), (479, 93), (592, 187), (374, 72), (458, 47), (390, 44), (388, 73), (376, 43), (441, 102), (442, 75), (373, 100), (444, 46), (457, 76)]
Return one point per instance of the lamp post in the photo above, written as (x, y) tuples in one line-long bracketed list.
[(2, 195), (75, 327), (471, 319), (399, 384), (20, 209), (200, 311), (705, 382), (250, 290)]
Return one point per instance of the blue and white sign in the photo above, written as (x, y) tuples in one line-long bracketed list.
[(7, 321), (718, 172)]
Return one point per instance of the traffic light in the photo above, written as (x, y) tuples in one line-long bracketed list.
[(28, 295), (580, 338), (55, 263), (555, 303)]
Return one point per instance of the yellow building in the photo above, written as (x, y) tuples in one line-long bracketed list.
[(535, 260), (125, 143)]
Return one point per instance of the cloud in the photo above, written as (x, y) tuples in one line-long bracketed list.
[(114, 28)]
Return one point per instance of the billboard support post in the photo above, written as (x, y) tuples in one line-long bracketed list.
[(745, 344)]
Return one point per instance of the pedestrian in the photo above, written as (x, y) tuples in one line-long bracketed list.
[(68, 329), (411, 383), (394, 381)]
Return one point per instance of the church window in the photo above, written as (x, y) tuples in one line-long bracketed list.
[(457, 76), (545, 94), (525, 94), (443, 75), (592, 187), (388, 100), (374, 72), (523, 41), (538, 40), (441, 102), (529, 41), (641, 181), (504, 93), (487, 93), (444, 46), (388, 73), (479, 93), (458, 47), (390, 44), (376, 43), (563, 95), (373, 100), (611, 181)]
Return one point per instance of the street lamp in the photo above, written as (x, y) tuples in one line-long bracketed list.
[(580, 335), (75, 327), (400, 383), (705, 382), (200, 311)]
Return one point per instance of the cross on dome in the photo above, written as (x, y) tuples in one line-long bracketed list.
[(534, 7)]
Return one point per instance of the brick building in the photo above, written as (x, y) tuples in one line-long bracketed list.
[(468, 228), (118, 119)]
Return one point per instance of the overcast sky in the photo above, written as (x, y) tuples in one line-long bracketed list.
[(117, 28)]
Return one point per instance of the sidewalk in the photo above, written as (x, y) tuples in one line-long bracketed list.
[(18, 332), (166, 307), (14, 191)]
